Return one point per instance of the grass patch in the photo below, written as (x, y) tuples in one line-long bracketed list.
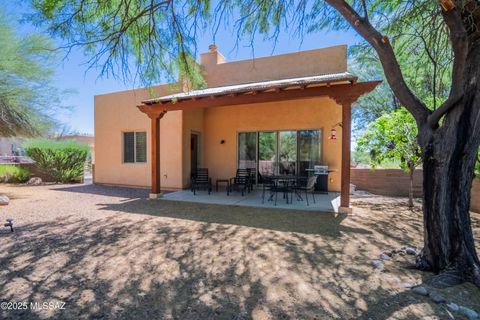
[(13, 173)]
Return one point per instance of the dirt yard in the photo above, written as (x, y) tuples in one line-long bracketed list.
[(109, 253)]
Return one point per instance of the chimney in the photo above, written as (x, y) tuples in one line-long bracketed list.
[(212, 57)]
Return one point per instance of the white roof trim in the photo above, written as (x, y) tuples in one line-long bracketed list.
[(260, 86)]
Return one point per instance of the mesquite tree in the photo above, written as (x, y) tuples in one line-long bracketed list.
[(448, 136), (159, 36)]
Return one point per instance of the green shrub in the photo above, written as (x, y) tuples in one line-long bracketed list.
[(62, 161), (13, 173)]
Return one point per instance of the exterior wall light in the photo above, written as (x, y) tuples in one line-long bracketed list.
[(333, 132)]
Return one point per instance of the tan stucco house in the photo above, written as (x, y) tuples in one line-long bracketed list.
[(274, 114)]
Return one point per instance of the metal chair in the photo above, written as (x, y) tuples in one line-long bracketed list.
[(201, 179), (307, 186), (270, 185), (242, 180)]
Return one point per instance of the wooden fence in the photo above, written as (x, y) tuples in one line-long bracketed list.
[(395, 182)]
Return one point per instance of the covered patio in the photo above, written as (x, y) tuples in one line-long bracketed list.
[(341, 88)]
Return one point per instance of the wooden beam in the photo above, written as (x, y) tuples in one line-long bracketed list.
[(335, 91), (155, 153), (346, 144)]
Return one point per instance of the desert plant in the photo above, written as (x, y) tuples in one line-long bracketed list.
[(13, 173), (62, 161)]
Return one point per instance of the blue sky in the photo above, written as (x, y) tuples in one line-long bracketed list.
[(72, 73)]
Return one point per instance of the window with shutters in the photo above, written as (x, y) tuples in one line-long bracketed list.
[(135, 147)]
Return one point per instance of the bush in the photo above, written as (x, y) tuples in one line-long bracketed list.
[(62, 161), (13, 173)]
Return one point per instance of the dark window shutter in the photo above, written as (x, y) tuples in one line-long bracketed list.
[(128, 147), (141, 147)]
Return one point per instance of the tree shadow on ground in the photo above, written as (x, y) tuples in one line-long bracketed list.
[(118, 268), (264, 218), (103, 190), (189, 261)]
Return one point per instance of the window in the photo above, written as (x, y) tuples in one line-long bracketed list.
[(134, 147)]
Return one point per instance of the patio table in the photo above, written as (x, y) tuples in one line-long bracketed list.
[(288, 182), (227, 181)]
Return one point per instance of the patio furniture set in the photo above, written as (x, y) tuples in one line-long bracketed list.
[(244, 180)]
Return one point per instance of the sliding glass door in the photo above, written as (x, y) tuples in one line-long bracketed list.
[(267, 153), (309, 150), (247, 150), (280, 152)]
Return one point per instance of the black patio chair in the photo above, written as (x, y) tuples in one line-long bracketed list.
[(253, 174), (307, 186), (241, 181), (284, 186), (201, 180), (269, 185)]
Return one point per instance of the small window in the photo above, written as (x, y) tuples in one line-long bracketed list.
[(134, 147)]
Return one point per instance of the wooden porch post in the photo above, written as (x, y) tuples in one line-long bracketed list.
[(346, 138), (155, 153)]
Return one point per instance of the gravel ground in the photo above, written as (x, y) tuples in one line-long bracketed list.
[(110, 253)]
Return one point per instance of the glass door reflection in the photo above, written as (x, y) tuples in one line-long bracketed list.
[(247, 150), (287, 153), (267, 154), (309, 150)]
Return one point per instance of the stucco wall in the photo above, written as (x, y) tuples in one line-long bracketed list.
[(283, 66), (224, 123), (395, 183), (116, 113), (387, 182)]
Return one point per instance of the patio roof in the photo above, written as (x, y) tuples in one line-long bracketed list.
[(257, 87), (343, 88)]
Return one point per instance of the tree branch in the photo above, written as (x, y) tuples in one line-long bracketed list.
[(448, 105), (365, 11), (458, 37), (387, 57)]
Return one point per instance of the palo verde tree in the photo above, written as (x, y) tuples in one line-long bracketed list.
[(159, 36), (27, 99), (393, 137)]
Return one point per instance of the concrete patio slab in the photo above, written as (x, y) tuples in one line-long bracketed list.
[(323, 202)]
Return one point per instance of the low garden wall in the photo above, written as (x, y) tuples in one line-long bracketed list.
[(395, 182)]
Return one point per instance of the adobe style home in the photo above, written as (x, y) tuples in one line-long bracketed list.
[(281, 114)]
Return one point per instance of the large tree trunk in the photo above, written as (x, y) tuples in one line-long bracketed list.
[(449, 155), (448, 240), (411, 168)]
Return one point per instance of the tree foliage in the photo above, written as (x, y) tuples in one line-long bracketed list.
[(149, 39), (27, 99), (392, 137), (421, 45), (157, 39)]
